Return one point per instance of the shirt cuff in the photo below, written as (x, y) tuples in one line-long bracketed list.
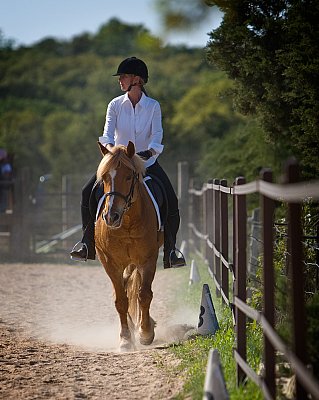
[(157, 147), (104, 140)]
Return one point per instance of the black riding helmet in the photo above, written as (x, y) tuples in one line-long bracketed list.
[(134, 66)]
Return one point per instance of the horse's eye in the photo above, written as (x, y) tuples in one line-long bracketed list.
[(128, 178)]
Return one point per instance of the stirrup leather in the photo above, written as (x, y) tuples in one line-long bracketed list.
[(74, 257)]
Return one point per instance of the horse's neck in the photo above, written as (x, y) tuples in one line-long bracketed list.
[(141, 201), (142, 197)]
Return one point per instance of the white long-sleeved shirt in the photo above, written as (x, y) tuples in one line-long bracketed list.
[(141, 125)]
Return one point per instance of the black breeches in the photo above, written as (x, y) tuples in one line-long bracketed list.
[(172, 224), (158, 171), (87, 200)]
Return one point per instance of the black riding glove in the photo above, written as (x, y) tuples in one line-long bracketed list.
[(145, 155)]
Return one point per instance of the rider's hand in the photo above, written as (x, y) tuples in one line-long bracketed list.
[(145, 155)]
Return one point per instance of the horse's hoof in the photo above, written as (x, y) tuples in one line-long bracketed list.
[(126, 345), (147, 337), (146, 340)]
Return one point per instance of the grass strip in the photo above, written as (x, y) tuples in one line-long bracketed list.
[(193, 353)]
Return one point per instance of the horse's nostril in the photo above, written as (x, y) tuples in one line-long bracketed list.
[(116, 217), (112, 219)]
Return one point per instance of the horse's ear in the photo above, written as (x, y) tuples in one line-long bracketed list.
[(130, 150), (103, 149)]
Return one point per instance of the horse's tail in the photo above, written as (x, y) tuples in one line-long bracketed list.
[(132, 279)]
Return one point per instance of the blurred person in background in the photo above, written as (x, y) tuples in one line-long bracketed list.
[(5, 180)]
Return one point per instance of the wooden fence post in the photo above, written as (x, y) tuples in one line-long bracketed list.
[(191, 216), (297, 277), (268, 208), (317, 257), (183, 196), (205, 222), (217, 234), (240, 275), (198, 210), (224, 238), (22, 224), (255, 245), (210, 224)]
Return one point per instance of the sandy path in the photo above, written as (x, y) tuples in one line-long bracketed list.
[(59, 336)]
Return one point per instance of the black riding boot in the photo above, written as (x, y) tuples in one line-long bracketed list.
[(87, 250), (171, 259)]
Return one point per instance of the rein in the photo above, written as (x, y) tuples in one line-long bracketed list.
[(128, 198)]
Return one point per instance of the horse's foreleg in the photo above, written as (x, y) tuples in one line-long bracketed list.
[(121, 302), (145, 296)]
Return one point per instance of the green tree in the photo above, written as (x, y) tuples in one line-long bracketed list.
[(185, 15), (21, 135), (242, 151), (67, 137), (5, 43), (55, 94), (271, 52), (204, 112), (117, 38)]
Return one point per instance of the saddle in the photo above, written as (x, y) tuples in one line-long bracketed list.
[(155, 189)]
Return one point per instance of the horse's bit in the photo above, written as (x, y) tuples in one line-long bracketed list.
[(128, 198)]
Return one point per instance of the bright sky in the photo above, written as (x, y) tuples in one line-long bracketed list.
[(28, 21)]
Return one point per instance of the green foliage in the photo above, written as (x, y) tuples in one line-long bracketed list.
[(5, 43), (55, 93), (283, 302), (178, 15), (312, 332), (21, 135), (242, 151), (210, 115), (111, 37), (270, 50)]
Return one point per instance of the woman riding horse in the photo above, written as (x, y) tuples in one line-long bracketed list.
[(134, 117)]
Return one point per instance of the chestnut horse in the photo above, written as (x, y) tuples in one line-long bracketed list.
[(127, 241)]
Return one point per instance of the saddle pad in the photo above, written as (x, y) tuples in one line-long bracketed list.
[(99, 206), (153, 201)]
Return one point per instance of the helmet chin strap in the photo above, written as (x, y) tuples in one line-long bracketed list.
[(130, 87)]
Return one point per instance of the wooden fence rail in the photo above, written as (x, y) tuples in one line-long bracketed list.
[(42, 217), (208, 235)]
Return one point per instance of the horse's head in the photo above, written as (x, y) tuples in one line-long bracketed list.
[(119, 170)]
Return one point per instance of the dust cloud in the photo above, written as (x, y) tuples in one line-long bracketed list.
[(74, 305)]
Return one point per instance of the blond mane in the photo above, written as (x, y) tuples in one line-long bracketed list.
[(112, 160)]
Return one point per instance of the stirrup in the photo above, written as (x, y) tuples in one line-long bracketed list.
[(182, 258), (74, 257)]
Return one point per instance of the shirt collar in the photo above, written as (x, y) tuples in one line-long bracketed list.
[(140, 103), (125, 98), (142, 100)]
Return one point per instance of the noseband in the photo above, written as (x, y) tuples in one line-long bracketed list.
[(128, 198)]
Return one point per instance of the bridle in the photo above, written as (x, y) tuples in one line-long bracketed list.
[(128, 198)]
